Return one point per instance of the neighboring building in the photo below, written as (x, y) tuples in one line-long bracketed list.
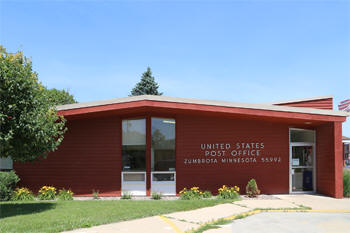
[(143, 144), (346, 151)]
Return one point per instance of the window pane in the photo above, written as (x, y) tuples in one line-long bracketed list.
[(163, 144), (134, 145), (163, 177), (133, 177), (302, 156), (134, 132), (302, 179), (302, 136)]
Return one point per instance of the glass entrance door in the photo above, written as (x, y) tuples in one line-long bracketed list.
[(302, 168), (302, 160)]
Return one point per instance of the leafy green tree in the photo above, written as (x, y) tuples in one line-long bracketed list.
[(29, 125), (147, 85), (59, 97)]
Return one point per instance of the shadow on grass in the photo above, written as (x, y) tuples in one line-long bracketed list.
[(21, 208)]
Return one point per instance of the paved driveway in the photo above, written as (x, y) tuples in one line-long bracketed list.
[(291, 222)]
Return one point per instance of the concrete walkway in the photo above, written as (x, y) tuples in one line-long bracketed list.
[(317, 202), (291, 222), (187, 221)]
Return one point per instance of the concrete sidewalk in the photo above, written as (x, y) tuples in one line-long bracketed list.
[(317, 202), (183, 221)]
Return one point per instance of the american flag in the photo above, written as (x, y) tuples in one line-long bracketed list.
[(344, 105)]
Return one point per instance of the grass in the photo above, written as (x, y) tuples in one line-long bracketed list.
[(56, 216), (346, 182)]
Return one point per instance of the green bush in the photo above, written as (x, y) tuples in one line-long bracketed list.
[(206, 194), (346, 182), (22, 194), (252, 189), (194, 193), (47, 193), (227, 192), (8, 181), (126, 196), (65, 195), (190, 194), (95, 194), (156, 196)]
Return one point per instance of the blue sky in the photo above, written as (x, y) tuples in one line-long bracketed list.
[(242, 51)]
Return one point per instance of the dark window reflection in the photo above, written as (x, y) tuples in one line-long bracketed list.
[(134, 145), (163, 144)]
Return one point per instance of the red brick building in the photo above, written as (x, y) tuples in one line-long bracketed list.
[(143, 144)]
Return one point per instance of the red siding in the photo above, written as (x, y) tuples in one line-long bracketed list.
[(192, 131), (320, 104), (329, 160), (88, 158)]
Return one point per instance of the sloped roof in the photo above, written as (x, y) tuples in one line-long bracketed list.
[(269, 107)]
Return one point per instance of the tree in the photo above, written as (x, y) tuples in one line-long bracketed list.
[(29, 125), (59, 97), (147, 85)]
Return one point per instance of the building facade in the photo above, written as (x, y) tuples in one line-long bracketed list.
[(147, 144)]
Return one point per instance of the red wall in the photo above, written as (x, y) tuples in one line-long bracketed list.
[(329, 160), (192, 131), (88, 158), (320, 104)]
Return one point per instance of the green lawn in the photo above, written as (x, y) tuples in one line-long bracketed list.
[(56, 216)]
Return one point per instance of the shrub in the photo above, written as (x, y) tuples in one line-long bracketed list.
[(8, 181), (95, 194), (207, 194), (47, 193), (126, 196), (346, 182), (156, 196), (22, 194), (65, 195), (193, 193), (227, 192), (252, 189)]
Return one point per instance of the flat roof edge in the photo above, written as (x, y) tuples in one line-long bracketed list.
[(202, 102), (301, 100)]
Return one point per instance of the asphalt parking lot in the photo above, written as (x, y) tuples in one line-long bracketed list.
[(290, 222)]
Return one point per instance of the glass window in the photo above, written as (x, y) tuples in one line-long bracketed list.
[(163, 144), (302, 136), (302, 156), (134, 145)]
